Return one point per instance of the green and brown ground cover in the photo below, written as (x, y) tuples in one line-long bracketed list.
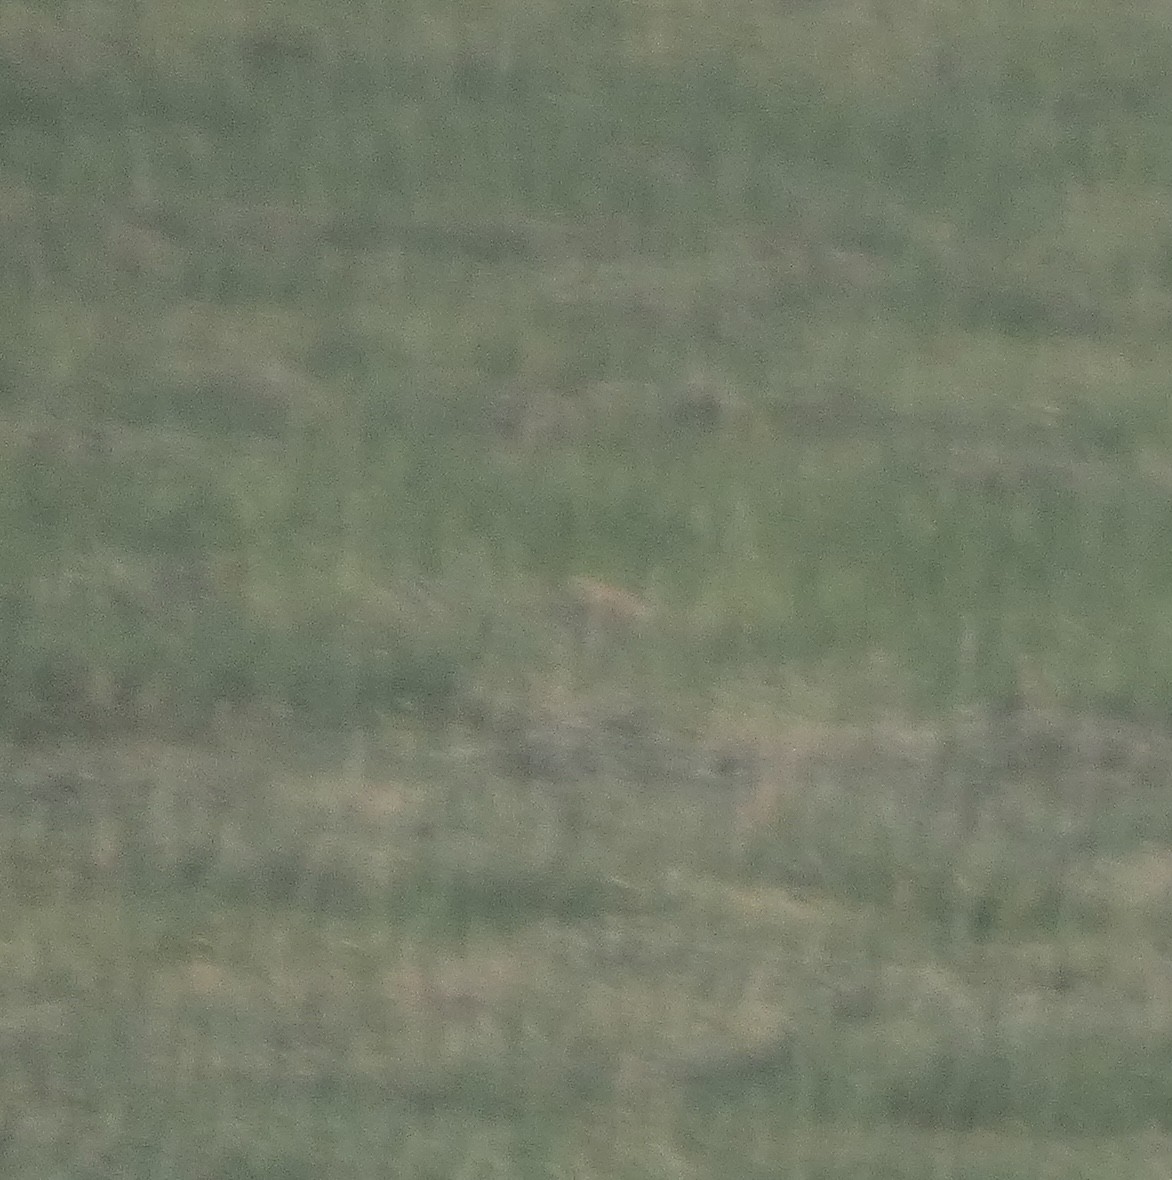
[(584, 590)]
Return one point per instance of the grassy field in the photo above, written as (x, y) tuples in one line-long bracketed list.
[(584, 590)]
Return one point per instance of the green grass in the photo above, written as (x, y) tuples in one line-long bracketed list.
[(224, 962), (342, 834)]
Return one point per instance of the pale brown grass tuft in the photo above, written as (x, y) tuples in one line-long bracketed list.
[(599, 607)]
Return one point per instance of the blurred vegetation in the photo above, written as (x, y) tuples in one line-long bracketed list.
[(571, 408), (840, 331)]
